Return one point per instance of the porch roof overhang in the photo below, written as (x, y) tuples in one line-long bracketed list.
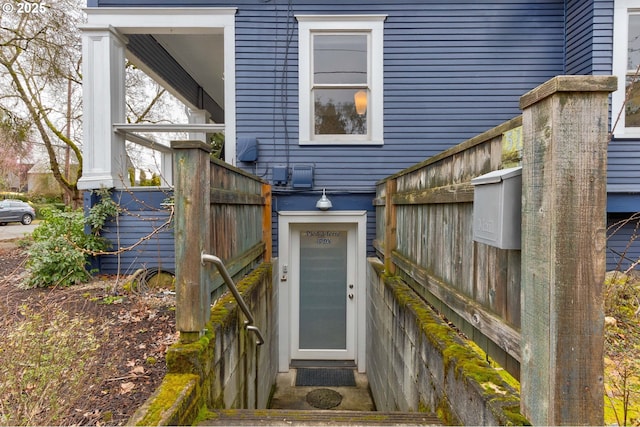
[(190, 51), (183, 49)]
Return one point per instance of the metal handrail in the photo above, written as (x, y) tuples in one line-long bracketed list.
[(232, 287)]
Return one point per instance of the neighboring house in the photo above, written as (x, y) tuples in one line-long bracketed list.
[(40, 179), (16, 179), (337, 95)]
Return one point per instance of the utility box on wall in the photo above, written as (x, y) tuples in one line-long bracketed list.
[(302, 176), (497, 204)]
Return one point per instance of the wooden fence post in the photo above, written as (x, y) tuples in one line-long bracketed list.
[(266, 222), (565, 124), (192, 236), (391, 226)]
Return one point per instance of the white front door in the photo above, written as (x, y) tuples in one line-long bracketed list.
[(323, 291), (322, 286)]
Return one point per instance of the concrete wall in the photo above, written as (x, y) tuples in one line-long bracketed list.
[(224, 368), (416, 362)]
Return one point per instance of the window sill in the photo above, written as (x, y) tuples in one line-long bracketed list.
[(627, 134), (338, 142)]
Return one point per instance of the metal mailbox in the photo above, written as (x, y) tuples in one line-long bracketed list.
[(497, 203)]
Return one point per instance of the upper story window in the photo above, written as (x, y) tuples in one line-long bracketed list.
[(626, 65), (340, 60)]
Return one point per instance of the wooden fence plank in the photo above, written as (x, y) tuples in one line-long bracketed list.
[(231, 197), (454, 193), (266, 221), (474, 313)]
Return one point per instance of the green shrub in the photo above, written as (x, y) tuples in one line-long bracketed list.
[(55, 257), (59, 255), (41, 207), (46, 198)]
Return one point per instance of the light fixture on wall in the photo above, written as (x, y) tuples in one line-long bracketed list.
[(360, 98), (323, 203)]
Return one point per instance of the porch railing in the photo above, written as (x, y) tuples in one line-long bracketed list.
[(137, 133)]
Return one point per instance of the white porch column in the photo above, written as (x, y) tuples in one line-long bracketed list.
[(104, 154), (198, 117)]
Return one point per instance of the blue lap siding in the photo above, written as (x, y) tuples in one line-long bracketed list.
[(451, 70), (141, 226)]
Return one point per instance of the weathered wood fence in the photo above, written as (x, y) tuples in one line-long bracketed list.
[(220, 210), (553, 341), (425, 236)]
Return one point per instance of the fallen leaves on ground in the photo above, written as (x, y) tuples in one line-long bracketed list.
[(137, 330)]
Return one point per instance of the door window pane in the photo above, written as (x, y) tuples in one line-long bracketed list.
[(323, 288)]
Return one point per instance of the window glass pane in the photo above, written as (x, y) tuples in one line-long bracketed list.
[(339, 59), (335, 113), (632, 106), (323, 290), (634, 43)]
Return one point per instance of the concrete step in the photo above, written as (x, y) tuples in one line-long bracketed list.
[(279, 417)]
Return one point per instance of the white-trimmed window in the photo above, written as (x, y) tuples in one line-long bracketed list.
[(340, 79), (626, 65)]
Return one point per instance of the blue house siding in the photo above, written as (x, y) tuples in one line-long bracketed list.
[(142, 215), (451, 70), (623, 244), (602, 36), (624, 161), (579, 37)]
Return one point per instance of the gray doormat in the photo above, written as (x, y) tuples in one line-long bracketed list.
[(325, 377)]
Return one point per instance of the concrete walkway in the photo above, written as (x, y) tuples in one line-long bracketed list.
[(288, 396), (290, 406)]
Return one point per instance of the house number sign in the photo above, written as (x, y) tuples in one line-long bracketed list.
[(321, 237)]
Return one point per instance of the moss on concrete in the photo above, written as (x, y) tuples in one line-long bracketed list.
[(170, 403), (515, 417), (444, 413), (204, 414), (460, 358), (188, 357)]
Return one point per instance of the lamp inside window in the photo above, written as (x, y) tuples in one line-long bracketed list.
[(360, 99)]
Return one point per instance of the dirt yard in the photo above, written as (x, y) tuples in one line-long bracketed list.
[(134, 331)]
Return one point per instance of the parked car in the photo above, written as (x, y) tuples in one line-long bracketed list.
[(16, 211)]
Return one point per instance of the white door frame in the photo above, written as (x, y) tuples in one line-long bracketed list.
[(285, 220)]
